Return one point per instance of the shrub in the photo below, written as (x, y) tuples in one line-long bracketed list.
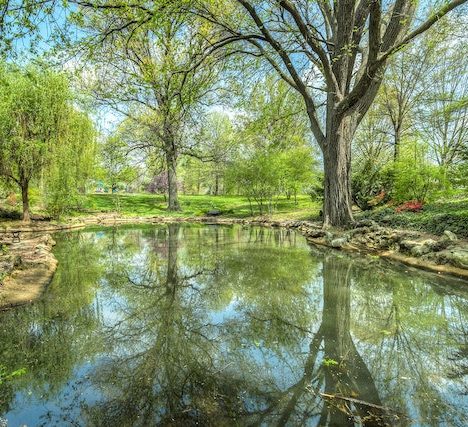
[(371, 185), (411, 206)]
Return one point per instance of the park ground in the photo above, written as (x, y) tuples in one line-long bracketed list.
[(435, 217)]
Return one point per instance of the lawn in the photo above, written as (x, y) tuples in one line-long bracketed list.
[(230, 206)]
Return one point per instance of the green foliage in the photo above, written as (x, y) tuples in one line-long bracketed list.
[(275, 157), (372, 185), (259, 179), (263, 176), (72, 164), (5, 375), (117, 170), (416, 178), (329, 362), (274, 116), (45, 140), (33, 105), (298, 170), (372, 171), (216, 145)]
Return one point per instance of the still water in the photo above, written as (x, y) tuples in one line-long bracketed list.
[(223, 325)]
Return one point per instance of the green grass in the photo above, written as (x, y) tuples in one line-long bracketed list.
[(230, 206), (434, 218)]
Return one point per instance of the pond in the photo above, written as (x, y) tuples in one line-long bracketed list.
[(228, 325)]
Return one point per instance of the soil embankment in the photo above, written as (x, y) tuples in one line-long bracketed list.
[(26, 268)]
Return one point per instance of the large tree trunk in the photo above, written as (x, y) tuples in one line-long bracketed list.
[(171, 160), (25, 196), (337, 169)]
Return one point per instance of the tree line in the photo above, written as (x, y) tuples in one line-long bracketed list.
[(352, 72)]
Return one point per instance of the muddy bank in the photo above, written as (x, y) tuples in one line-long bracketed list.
[(26, 267)]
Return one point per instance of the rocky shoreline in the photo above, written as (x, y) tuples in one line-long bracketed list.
[(445, 254), (27, 266)]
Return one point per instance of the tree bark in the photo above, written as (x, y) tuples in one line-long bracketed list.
[(337, 169), (171, 160), (25, 197), (396, 142)]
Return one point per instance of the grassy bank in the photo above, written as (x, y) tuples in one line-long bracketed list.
[(229, 206), (434, 218)]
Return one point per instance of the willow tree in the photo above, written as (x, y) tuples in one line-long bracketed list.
[(71, 162), (145, 71), (33, 107), (333, 53)]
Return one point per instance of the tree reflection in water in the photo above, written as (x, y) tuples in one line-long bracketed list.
[(210, 325)]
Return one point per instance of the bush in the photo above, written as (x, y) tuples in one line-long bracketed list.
[(372, 185), (434, 218), (411, 206)]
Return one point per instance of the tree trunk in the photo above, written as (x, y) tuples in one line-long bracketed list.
[(25, 196), (337, 169), (171, 159), (396, 142), (216, 191)]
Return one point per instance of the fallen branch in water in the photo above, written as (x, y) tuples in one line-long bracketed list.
[(362, 402)]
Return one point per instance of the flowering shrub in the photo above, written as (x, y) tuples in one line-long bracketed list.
[(411, 206)]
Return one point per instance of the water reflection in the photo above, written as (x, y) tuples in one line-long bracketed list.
[(208, 325)]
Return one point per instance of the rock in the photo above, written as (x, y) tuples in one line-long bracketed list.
[(213, 212), (36, 217), (450, 236), (339, 242), (420, 250), (314, 234), (431, 244), (328, 236), (408, 244), (456, 256), (47, 240)]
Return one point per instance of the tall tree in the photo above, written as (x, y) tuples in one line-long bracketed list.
[(146, 73), (33, 111), (404, 87), (217, 147), (22, 18), (443, 110), (72, 163)]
